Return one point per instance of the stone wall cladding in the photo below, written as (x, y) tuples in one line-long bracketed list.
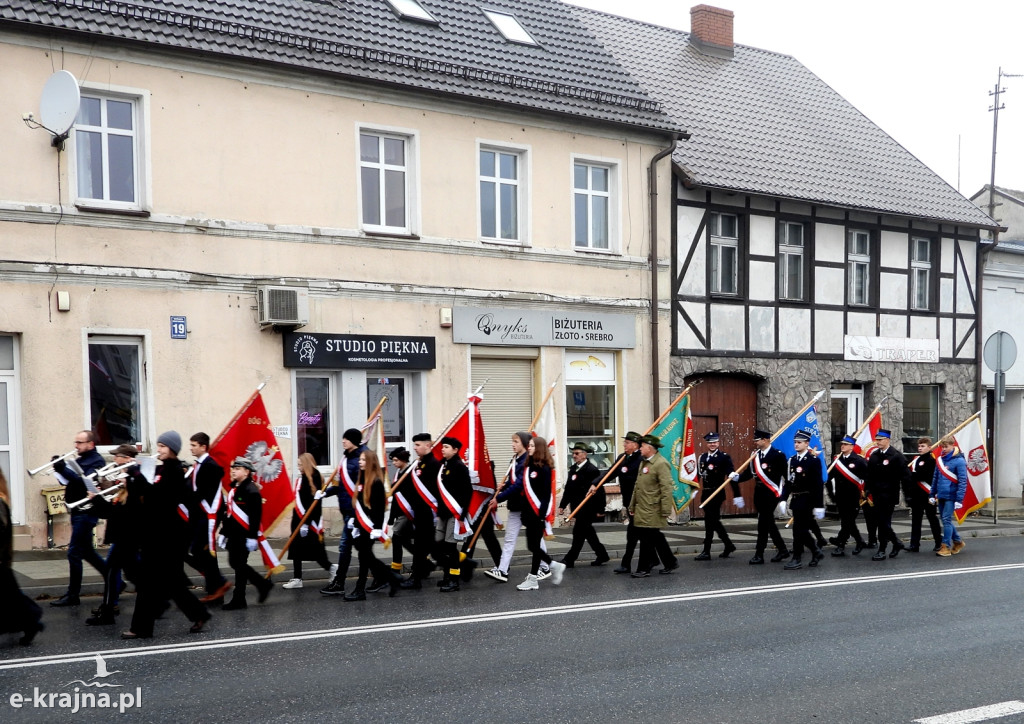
[(787, 384)]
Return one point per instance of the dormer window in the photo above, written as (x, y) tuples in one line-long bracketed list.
[(509, 27), (411, 10)]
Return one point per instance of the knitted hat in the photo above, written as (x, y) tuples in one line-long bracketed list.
[(354, 436), (524, 437), (171, 439)]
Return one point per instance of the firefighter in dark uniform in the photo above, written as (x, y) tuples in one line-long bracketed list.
[(916, 491), (581, 477), (713, 467), (769, 467), (806, 499), (887, 470), (626, 469), (846, 488)]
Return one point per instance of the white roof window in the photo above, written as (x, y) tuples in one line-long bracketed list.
[(411, 10), (509, 27)]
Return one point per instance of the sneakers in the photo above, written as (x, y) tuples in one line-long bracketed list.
[(957, 547), (544, 573), (334, 588), (294, 583), (557, 569), (530, 584), (497, 574)]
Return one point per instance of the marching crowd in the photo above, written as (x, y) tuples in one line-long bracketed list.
[(158, 522)]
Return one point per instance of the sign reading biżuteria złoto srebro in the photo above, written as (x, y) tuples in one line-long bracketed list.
[(541, 328)]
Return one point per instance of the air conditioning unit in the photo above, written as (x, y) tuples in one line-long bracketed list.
[(282, 305)]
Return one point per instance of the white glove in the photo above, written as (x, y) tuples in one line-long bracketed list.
[(304, 531), (957, 506), (318, 494), (222, 542), (739, 502), (734, 475), (819, 513), (376, 534), (931, 500), (251, 544), (780, 509)]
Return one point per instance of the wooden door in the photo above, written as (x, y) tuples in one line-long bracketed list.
[(728, 404)]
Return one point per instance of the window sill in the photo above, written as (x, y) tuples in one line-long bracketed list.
[(600, 252), (511, 243), (140, 213), (391, 235)]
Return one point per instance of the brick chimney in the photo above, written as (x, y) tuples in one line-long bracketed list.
[(711, 30)]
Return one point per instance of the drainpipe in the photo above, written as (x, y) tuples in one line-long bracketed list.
[(652, 183)]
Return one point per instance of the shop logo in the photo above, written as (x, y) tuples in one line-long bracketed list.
[(305, 346), (517, 330)]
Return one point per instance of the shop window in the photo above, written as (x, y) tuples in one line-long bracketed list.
[(115, 390), (920, 414), (590, 404), (393, 412), (313, 417)]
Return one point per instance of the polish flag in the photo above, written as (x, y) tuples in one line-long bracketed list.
[(546, 429), (866, 440), (468, 428), (971, 441)]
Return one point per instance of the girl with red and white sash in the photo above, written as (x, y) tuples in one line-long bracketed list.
[(308, 545), (537, 491), (368, 507)]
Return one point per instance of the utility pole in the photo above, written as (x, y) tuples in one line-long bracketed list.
[(997, 105)]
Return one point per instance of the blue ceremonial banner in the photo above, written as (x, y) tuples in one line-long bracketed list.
[(808, 422)]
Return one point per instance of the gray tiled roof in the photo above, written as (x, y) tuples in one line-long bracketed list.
[(763, 123), (569, 72)]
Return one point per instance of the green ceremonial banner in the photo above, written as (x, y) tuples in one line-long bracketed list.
[(676, 433)]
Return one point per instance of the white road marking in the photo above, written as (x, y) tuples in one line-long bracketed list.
[(490, 616), (981, 713)]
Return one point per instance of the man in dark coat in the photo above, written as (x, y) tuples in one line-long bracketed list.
[(917, 489), (768, 468), (713, 468), (846, 488), (78, 485), (348, 473), (580, 481), (887, 470), (205, 496), (626, 469), (806, 497)]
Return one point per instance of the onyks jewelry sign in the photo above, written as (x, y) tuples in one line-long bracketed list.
[(358, 351), (530, 327), (890, 349)]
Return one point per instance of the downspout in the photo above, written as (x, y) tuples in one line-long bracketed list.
[(652, 184)]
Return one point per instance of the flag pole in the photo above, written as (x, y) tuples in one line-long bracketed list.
[(860, 429), (547, 396), (778, 432), (653, 425)]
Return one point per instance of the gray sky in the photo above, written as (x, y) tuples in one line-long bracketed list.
[(922, 71)]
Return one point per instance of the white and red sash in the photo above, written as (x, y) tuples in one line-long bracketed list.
[(407, 509), (946, 472), (211, 517), (183, 511), (362, 517), (535, 502), (849, 474), (348, 482), (461, 526), (315, 524), (925, 486), (270, 559), (236, 511), (427, 496), (762, 475)]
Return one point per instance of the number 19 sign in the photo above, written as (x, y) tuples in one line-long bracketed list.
[(179, 329)]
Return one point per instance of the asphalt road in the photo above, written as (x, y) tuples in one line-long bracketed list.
[(850, 641)]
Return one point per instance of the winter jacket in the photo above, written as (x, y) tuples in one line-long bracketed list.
[(942, 487)]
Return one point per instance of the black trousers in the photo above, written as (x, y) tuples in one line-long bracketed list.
[(201, 558), (423, 545), (490, 540), (163, 579), (368, 561), (238, 559), (583, 532), (803, 520), (884, 507), (765, 503), (871, 522), (920, 507), (713, 526), (403, 538), (534, 535), (848, 510), (653, 547)]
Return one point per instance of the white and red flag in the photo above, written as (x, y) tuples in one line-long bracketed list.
[(865, 444), (469, 430), (251, 436), (545, 427), (971, 441)]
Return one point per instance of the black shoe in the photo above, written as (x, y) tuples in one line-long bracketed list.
[(839, 552), (335, 588), (880, 556), (235, 604), (621, 569), (669, 569), (913, 549), (600, 561), (466, 570), (567, 563), (30, 633), (756, 560), (197, 626), (729, 548), (858, 548), (377, 586), (640, 574), (816, 558), (101, 619), (702, 556), (395, 585), (65, 600), (356, 595), (793, 565), (821, 542), (834, 540), (450, 587), (115, 610), (872, 543), (411, 583), (896, 550), (780, 556), (936, 548)]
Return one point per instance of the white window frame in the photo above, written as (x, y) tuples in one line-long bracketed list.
[(140, 101), (857, 260), (787, 249), (412, 10), (510, 27), (411, 187), (143, 339), (612, 195), (717, 242), (15, 427), (522, 192), (921, 268)]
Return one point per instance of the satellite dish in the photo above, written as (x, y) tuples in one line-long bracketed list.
[(58, 107)]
